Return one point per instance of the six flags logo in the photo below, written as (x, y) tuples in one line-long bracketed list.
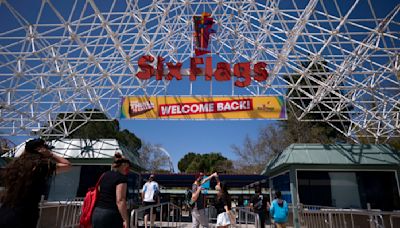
[(203, 30)]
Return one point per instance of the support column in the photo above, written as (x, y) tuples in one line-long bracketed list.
[(294, 194), (271, 186)]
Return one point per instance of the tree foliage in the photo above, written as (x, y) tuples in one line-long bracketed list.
[(211, 162), (295, 131), (129, 139), (393, 142), (184, 163), (316, 131), (254, 154), (98, 127)]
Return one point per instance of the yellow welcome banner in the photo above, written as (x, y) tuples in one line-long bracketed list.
[(197, 107)]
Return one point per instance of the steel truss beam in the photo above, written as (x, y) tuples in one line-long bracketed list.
[(82, 54)]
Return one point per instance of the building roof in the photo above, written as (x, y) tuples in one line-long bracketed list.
[(334, 154), (86, 149)]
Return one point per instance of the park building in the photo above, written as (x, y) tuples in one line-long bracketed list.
[(347, 177)]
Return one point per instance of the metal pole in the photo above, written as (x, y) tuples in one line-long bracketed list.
[(352, 220), (151, 216), (161, 214)]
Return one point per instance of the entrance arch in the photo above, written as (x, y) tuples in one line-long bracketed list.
[(338, 60)]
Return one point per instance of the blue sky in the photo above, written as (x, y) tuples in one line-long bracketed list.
[(179, 137)]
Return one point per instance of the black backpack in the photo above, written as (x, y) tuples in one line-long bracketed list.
[(188, 199)]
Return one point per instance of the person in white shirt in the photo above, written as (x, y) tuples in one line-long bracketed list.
[(150, 196)]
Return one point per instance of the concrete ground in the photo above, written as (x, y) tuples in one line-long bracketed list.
[(189, 225)]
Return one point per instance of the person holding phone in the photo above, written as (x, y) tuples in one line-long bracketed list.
[(198, 211)]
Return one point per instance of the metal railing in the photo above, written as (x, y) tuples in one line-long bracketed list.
[(63, 214), (321, 217), (394, 220), (244, 217), (168, 213), (44, 207), (72, 213)]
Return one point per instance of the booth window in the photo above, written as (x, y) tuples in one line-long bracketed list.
[(354, 189)]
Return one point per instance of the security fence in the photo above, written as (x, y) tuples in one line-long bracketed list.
[(328, 217)]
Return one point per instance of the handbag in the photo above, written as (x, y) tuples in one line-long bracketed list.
[(89, 202), (226, 218)]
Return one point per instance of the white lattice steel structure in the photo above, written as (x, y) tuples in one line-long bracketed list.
[(68, 56)]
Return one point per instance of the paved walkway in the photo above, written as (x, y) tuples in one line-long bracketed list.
[(189, 225)]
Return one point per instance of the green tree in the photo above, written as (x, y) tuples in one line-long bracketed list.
[(98, 127), (317, 130), (254, 154), (295, 131), (197, 165), (395, 143), (370, 139), (129, 139), (211, 162), (184, 163)]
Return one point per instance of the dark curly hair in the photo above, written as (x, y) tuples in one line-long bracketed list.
[(21, 174)]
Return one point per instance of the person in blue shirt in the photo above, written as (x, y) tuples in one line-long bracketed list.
[(279, 211)]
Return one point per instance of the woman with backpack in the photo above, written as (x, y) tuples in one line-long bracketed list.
[(279, 211), (111, 210)]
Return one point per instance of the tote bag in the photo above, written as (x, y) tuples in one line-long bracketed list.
[(89, 202)]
